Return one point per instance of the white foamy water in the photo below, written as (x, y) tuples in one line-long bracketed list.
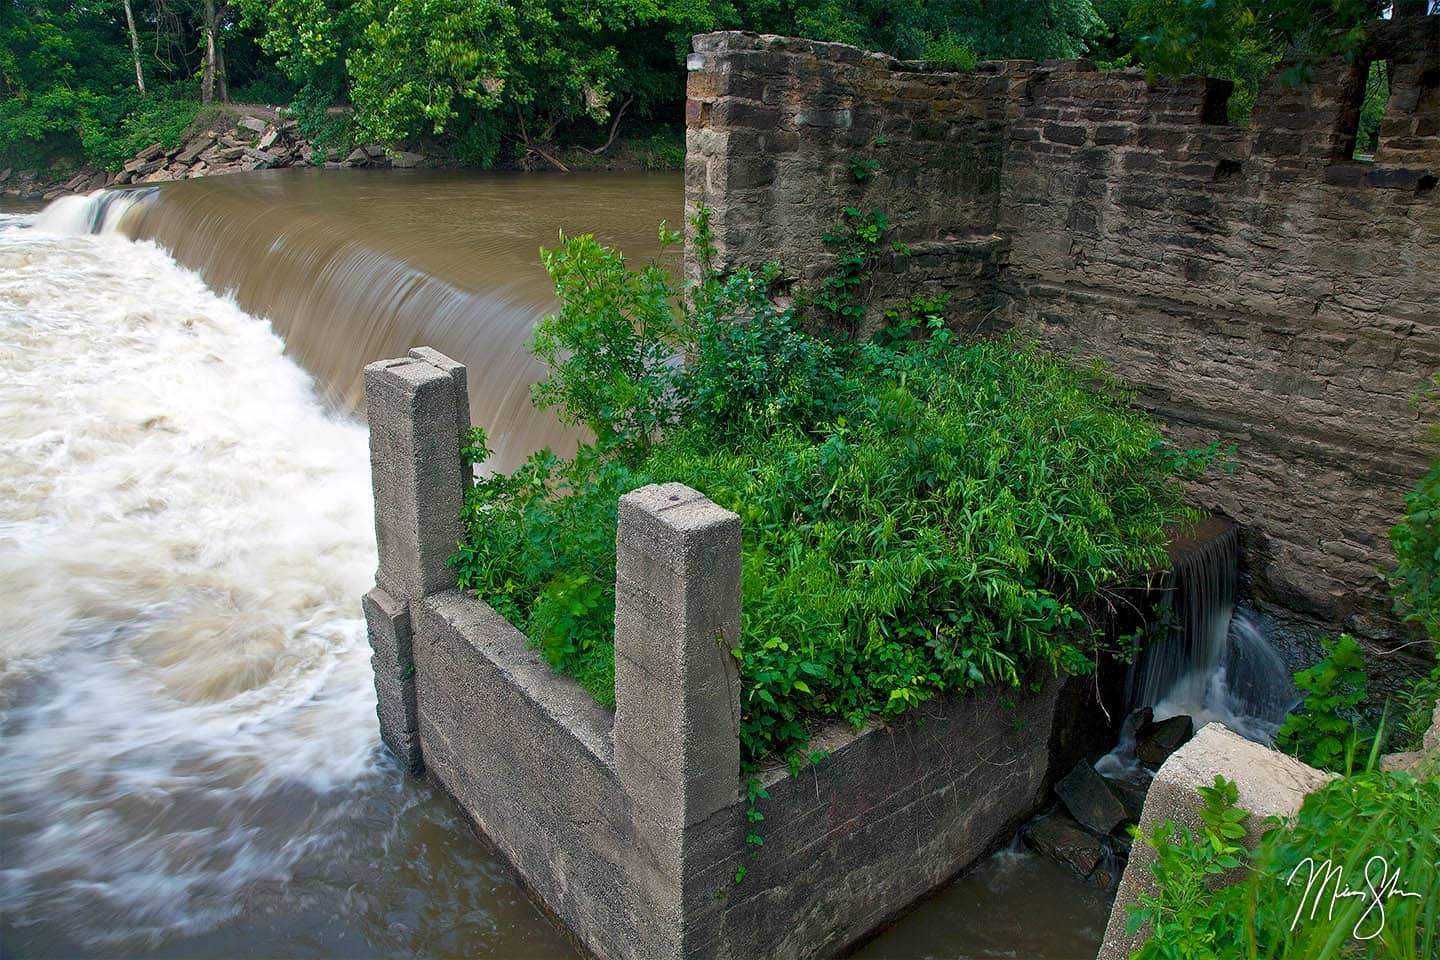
[(184, 536)]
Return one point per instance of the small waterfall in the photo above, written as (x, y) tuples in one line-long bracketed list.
[(1211, 659), (100, 212)]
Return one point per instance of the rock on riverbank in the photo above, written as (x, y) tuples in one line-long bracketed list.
[(251, 143)]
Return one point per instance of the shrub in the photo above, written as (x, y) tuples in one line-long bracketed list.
[(1324, 732), (919, 515), (1416, 579)]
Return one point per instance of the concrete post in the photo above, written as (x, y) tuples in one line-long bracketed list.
[(418, 413), (677, 687)]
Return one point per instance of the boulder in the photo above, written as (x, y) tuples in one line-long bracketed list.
[(5, 174), (1064, 841), (150, 153), (141, 168), (1130, 795), (1155, 741), (195, 148), (253, 124), (404, 160), (1088, 798), (1269, 784), (267, 138), (358, 157)]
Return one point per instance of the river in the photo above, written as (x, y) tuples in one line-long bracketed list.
[(191, 765)]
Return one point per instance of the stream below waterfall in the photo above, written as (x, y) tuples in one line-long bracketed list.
[(191, 764)]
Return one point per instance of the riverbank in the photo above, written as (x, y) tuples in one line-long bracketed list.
[(243, 138)]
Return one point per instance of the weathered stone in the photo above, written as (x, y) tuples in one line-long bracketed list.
[(1130, 795), (196, 147), (1088, 798), (253, 124), (1064, 841), (677, 687), (1269, 784), (267, 139), (403, 160), (358, 157), (1155, 741), (415, 411)]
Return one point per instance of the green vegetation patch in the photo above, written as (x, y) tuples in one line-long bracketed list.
[(1283, 897), (920, 515)]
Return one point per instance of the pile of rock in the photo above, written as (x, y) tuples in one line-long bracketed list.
[(43, 184), (1088, 830), (253, 143)]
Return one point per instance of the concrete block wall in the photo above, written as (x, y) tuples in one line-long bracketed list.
[(631, 826), (1254, 285)]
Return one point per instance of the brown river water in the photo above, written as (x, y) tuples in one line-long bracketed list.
[(190, 762)]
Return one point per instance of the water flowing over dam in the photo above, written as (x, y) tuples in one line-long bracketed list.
[(354, 268), (191, 760)]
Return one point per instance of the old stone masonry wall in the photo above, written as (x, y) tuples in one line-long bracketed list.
[(1255, 285)]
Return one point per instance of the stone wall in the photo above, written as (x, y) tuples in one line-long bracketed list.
[(631, 826), (1255, 286)]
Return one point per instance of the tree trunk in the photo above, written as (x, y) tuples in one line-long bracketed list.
[(207, 74), (134, 47), (220, 56)]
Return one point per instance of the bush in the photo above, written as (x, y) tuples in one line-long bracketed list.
[(919, 515), (1324, 732), (1416, 579), (152, 119)]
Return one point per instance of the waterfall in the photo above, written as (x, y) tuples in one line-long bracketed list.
[(1208, 656), (191, 763)]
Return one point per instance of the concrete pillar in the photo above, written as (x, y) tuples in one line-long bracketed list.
[(677, 687), (419, 414)]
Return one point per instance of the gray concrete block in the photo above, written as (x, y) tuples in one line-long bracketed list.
[(677, 688), (387, 623), (415, 408), (1268, 782)]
